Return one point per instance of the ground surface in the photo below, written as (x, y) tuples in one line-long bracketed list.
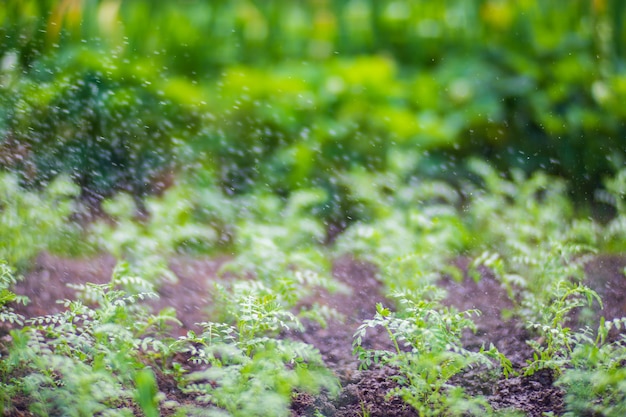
[(363, 392)]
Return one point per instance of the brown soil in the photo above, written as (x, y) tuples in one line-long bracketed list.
[(363, 392)]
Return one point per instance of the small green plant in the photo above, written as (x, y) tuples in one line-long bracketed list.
[(85, 360), (278, 243), (33, 221), (594, 379), (147, 390), (534, 276), (407, 219), (518, 213), (249, 371), (272, 233), (146, 245), (365, 412), (553, 349), (7, 315), (427, 352), (7, 280)]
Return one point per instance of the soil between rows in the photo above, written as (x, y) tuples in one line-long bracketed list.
[(362, 391)]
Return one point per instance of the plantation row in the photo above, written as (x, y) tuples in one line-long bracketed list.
[(103, 354)]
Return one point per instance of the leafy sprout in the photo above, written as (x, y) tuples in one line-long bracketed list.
[(31, 221), (249, 371), (427, 352)]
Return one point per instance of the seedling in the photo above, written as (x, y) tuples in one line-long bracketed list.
[(250, 372), (427, 352)]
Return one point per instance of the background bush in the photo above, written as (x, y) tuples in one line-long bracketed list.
[(285, 95)]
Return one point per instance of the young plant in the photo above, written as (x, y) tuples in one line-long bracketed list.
[(85, 360), (249, 370), (273, 234), (532, 276), (7, 281), (519, 213), (33, 221), (7, 315), (614, 236), (427, 352), (278, 243), (594, 381), (553, 349), (416, 218), (146, 245)]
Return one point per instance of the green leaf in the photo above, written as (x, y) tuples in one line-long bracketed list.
[(146, 394)]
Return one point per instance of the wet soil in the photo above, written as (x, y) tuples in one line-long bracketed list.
[(363, 392)]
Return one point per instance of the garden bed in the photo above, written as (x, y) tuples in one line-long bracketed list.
[(363, 392)]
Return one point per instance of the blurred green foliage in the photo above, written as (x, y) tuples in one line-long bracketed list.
[(31, 222), (285, 95)]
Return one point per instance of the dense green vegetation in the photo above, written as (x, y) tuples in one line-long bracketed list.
[(539, 260), (282, 136), (114, 93)]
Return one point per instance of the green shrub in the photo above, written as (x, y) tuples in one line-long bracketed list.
[(407, 76), (614, 194), (102, 126)]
